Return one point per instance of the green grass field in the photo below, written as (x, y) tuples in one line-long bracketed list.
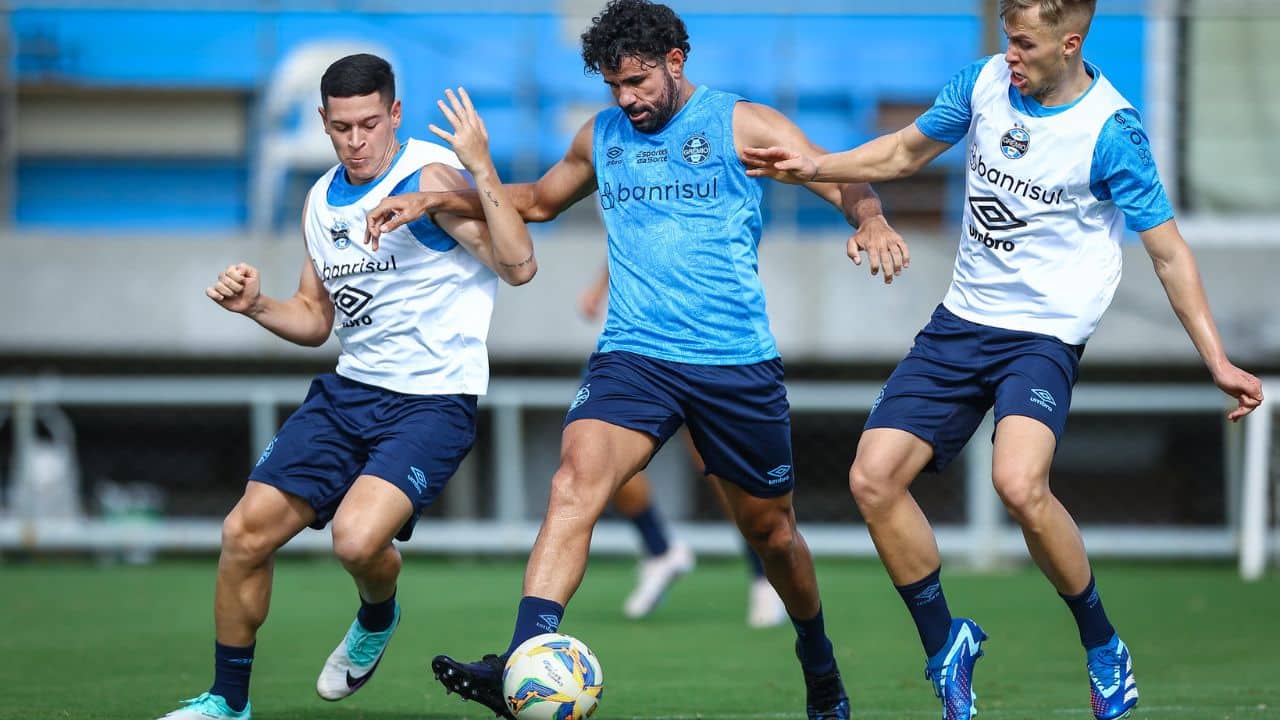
[(88, 641)]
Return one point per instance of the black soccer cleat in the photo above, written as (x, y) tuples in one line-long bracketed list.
[(478, 681), (825, 696)]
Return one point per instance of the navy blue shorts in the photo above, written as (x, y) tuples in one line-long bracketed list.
[(957, 370), (346, 429), (738, 415)]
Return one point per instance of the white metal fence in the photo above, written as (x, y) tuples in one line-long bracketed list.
[(985, 539)]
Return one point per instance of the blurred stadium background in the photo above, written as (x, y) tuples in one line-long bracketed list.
[(146, 145)]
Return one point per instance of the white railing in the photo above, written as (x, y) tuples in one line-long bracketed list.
[(985, 540)]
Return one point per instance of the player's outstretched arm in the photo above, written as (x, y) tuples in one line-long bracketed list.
[(1176, 268), (502, 241), (887, 157), (567, 182), (304, 319), (757, 125)]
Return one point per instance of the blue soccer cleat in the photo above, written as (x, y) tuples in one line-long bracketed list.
[(353, 662), (479, 681), (1112, 690), (951, 670), (207, 707)]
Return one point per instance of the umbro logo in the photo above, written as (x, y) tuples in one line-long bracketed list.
[(779, 475), (549, 623), (418, 479), (351, 300), (1044, 399), (994, 214), (927, 595)]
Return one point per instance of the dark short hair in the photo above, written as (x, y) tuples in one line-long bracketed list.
[(632, 28), (356, 75)]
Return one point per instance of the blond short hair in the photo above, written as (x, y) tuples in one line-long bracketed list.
[(1054, 13)]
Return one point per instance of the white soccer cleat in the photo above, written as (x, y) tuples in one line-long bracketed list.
[(352, 663), (206, 707), (764, 607), (656, 575)]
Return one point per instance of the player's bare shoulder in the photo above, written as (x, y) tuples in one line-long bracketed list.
[(439, 176), (758, 125)]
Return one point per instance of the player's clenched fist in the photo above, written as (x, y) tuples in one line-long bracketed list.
[(236, 288)]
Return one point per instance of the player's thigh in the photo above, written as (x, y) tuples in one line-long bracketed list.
[(370, 515), (627, 407), (938, 399), (1023, 451), (740, 422), (312, 457), (596, 457), (266, 517), (888, 460), (1033, 398), (417, 444), (1037, 382)]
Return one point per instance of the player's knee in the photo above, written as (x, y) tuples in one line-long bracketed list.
[(245, 542), (356, 549), (770, 535), (871, 490), (577, 494), (1022, 494)]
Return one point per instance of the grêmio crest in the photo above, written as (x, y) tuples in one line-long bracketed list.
[(1015, 143), (341, 235)]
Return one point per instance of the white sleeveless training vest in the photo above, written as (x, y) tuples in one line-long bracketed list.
[(1039, 252), (412, 317)]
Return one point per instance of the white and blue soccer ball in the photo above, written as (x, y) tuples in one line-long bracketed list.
[(552, 677)]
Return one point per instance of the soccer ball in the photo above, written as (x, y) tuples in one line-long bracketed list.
[(552, 677)]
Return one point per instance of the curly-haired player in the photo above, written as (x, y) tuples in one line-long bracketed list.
[(687, 340)]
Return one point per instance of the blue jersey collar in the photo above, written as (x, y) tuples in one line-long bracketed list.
[(1030, 106), (342, 192)]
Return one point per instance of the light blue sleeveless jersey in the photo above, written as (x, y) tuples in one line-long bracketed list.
[(684, 222)]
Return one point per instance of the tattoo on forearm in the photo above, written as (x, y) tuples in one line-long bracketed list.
[(520, 264), (492, 199)]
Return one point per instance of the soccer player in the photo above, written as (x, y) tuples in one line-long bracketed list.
[(1058, 165), (375, 442), (687, 340), (666, 560)]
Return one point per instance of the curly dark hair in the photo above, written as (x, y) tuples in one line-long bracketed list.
[(631, 28)]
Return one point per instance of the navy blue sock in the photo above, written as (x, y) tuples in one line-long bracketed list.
[(1095, 628), (928, 608), (652, 533), (753, 562), (535, 617), (376, 617), (812, 645), (231, 668)]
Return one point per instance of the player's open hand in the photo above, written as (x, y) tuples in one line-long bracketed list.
[(1244, 388), (780, 164), (395, 211), (237, 288), (885, 248), (469, 138)]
